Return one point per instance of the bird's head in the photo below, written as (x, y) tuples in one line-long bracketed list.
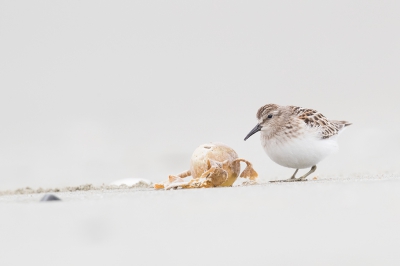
[(269, 117)]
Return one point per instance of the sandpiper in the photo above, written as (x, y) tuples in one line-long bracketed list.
[(296, 137)]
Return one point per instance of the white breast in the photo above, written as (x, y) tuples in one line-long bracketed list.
[(299, 152)]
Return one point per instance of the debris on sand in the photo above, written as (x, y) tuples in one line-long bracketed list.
[(86, 187), (211, 165), (50, 197)]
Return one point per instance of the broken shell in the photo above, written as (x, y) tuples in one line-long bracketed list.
[(130, 182), (216, 153), (211, 165)]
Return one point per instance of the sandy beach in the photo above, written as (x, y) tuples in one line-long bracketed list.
[(348, 221), (92, 92)]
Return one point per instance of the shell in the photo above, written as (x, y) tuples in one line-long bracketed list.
[(211, 165), (215, 152)]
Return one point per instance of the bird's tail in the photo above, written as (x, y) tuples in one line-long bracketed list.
[(346, 124), (341, 124)]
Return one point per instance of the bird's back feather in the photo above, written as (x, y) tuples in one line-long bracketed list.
[(314, 119)]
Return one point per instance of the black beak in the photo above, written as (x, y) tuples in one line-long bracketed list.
[(254, 130)]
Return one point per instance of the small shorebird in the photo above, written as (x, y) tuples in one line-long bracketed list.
[(296, 137)]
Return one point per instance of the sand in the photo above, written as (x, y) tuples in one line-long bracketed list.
[(96, 91), (343, 221)]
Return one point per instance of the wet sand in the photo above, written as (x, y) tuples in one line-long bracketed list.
[(344, 221)]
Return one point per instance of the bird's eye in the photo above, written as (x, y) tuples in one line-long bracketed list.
[(269, 116)]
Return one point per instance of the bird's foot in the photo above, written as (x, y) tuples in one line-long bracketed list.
[(290, 180)]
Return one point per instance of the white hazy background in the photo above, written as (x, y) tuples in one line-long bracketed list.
[(94, 91)]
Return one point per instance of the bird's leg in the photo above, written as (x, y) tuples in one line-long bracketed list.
[(303, 178), (293, 178), (294, 175)]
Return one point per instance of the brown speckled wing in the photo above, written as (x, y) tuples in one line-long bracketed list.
[(315, 119)]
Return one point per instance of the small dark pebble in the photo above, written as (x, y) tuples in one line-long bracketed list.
[(49, 197)]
